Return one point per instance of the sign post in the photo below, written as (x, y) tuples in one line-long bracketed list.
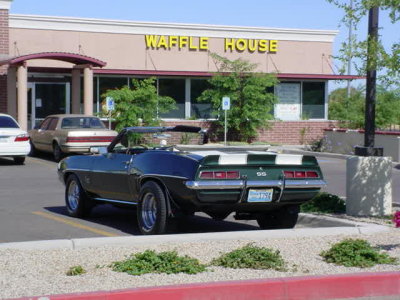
[(110, 107), (226, 105)]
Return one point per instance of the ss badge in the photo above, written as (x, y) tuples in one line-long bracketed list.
[(261, 173)]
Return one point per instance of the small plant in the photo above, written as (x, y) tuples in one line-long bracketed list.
[(396, 218), (303, 132), (251, 257), (165, 262), (186, 138), (324, 203), (356, 253), (76, 270), (317, 145)]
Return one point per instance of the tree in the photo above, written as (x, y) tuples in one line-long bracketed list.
[(387, 60), (251, 103), (351, 111), (139, 105)]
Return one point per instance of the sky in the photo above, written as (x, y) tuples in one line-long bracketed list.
[(304, 14)]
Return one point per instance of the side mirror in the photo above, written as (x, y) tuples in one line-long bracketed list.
[(98, 150)]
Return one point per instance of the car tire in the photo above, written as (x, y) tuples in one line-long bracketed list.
[(284, 218), (77, 202), (19, 160), (152, 209), (57, 152), (33, 150)]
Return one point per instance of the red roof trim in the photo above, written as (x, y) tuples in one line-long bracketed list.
[(209, 74), (73, 58), (193, 74)]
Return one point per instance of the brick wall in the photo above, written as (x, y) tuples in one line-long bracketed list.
[(4, 51), (288, 133)]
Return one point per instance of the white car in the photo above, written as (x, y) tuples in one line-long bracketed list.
[(14, 142)]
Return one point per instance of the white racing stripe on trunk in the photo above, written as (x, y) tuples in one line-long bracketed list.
[(207, 152), (288, 159), (233, 159)]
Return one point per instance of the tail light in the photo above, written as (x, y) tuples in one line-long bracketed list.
[(219, 175), (22, 138), (300, 174), (89, 139)]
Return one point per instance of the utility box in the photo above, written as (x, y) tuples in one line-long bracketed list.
[(369, 186)]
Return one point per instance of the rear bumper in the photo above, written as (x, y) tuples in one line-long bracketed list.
[(240, 184), (15, 150), (67, 148)]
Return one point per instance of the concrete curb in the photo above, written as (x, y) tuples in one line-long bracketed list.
[(385, 285), (338, 227)]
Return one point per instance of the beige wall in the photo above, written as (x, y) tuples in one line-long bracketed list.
[(128, 52)]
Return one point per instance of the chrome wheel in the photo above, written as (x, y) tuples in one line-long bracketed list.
[(152, 209), (149, 211), (73, 195)]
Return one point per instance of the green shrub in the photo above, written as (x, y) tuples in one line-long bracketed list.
[(356, 253), (324, 203), (165, 262), (251, 257), (75, 270)]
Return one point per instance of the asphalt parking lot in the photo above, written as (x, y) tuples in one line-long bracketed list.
[(32, 206)]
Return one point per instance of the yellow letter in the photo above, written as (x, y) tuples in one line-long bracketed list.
[(203, 43), (241, 44), (173, 40), (191, 46), (273, 46), (151, 41), (262, 46), (183, 40), (252, 45), (162, 42), (229, 44)]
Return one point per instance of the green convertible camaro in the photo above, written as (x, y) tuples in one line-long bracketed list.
[(164, 182)]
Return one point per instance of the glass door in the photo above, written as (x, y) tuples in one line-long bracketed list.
[(48, 99)]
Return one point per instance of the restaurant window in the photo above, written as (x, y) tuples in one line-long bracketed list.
[(313, 100), (110, 83), (174, 88), (288, 106), (199, 110)]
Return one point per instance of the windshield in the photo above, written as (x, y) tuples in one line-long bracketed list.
[(7, 122), (134, 140), (81, 122)]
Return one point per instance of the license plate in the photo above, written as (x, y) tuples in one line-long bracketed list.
[(3, 139), (260, 195)]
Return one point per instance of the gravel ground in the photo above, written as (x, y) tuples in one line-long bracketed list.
[(25, 273)]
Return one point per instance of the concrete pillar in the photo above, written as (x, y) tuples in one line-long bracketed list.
[(369, 186), (23, 96), (88, 91), (76, 91), (12, 91)]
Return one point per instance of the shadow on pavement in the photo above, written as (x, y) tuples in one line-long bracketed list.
[(125, 221)]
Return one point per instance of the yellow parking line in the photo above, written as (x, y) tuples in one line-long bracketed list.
[(74, 224), (42, 162)]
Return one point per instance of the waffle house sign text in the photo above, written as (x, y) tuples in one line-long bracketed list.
[(168, 42)]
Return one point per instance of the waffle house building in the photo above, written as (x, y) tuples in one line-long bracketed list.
[(51, 65)]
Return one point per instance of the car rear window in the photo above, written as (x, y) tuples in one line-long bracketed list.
[(7, 122), (81, 122)]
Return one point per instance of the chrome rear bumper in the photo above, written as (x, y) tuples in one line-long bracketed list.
[(239, 184)]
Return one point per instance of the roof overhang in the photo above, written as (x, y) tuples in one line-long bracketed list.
[(73, 58)]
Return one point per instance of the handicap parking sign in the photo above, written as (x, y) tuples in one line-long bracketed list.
[(110, 103), (226, 103)]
